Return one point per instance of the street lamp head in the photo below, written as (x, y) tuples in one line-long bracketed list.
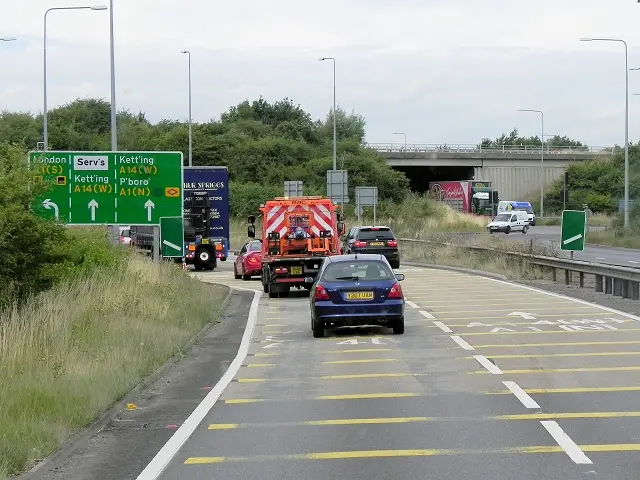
[(587, 39), (185, 51), (98, 7), (7, 39)]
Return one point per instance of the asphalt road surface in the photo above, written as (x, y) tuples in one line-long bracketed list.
[(550, 235), (490, 381)]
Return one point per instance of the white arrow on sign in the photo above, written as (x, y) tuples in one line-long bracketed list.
[(93, 205), (149, 205), (526, 316), (48, 204), (171, 245), (572, 239)]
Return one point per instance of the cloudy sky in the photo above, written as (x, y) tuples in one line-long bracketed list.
[(441, 71)]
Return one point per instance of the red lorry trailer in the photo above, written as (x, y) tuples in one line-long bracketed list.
[(297, 234)]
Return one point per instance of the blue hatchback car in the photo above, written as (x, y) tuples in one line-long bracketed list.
[(356, 290)]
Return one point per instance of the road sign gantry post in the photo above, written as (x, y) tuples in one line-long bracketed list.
[(125, 188)]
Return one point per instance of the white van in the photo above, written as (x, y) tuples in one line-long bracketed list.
[(507, 222)]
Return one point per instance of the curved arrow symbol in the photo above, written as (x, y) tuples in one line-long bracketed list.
[(48, 204)]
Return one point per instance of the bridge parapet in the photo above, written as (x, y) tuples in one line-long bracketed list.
[(503, 149)]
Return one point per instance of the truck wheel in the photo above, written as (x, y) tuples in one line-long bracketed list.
[(272, 294), (224, 259), (284, 293), (197, 265)]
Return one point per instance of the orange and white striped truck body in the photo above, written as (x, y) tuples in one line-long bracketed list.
[(297, 234)]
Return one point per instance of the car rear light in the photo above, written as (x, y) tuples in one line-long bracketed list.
[(321, 293), (280, 270), (121, 239), (392, 243), (218, 246), (396, 291), (360, 244), (252, 259), (375, 228)]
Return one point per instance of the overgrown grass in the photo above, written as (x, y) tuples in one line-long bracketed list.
[(457, 256), (597, 220), (72, 351), (615, 238)]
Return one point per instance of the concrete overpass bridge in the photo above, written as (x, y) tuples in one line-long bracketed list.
[(514, 170)]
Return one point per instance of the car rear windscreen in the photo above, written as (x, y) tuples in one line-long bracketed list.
[(381, 234), (126, 233), (357, 270), (255, 246)]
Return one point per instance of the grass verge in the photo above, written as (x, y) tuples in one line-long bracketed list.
[(74, 350), (597, 220), (457, 256), (615, 238)]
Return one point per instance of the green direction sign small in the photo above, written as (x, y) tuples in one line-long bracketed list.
[(573, 230), (171, 237), (126, 188)]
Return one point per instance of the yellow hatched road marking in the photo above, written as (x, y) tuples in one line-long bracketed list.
[(359, 350), (362, 360), (507, 309), (628, 447), (398, 420), (259, 365), (473, 318), (621, 330), (334, 377), (562, 370), (552, 355), (266, 354), (556, 344), (542, 391)]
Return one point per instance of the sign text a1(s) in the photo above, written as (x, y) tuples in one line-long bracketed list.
[(54, 170)]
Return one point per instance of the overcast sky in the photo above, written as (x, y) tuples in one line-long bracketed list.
[(441, 71)]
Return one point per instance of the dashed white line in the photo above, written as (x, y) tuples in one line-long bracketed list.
[(569, 446), (484, 361), (521, 395), (411, 304), (631, 261), (426, 314), (442, 327), (461, 342), (600, 258)]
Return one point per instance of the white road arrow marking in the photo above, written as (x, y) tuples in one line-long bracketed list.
[(172, 245), (93, 205), (149, 205), (526, 316), (48, 204), (572, 239)]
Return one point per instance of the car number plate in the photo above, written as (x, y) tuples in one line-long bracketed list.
[(359, 295), (377, 244), (296, 270), (204, 241)]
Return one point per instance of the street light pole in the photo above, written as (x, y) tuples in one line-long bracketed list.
[(114, 126), (8, 39), (541, 157), (45, 126), (405, 139), (626, 121), (334, 108), (190, 136)]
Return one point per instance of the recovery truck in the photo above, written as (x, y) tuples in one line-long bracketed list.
[(206, 216), (467, 196), (297, 234)]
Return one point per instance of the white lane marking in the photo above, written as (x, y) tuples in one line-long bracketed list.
[(572, 239), (426, 314), (155, 468), (461, 342), (631, 261), (411, 304), (484, 361), (600, 258), (564, 440), (521, 395), (442, 327)]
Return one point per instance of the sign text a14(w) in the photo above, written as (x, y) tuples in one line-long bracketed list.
[(116, 187)]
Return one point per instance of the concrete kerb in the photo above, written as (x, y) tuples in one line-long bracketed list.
[(82, 437), (470, 271)]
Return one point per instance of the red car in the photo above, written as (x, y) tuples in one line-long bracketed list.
[(248, 260)]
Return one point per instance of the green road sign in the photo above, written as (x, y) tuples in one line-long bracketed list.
[(135, 188), (573, 230), (171, 237)]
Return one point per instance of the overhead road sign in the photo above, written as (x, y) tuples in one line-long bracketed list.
[(293, 188), (126, 188), (573, 230)]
